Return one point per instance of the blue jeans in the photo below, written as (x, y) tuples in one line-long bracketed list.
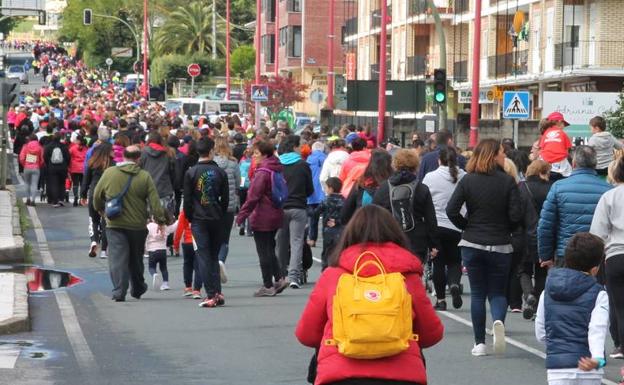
[(208, 236), (487, 273)]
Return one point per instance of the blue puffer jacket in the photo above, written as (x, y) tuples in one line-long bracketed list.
[(316, 160), (569, 299), (568, 209)]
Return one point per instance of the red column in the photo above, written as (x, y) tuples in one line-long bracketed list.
[(145, 51), (476, 73), (276, 37), (227, 49), (258, 38), (382, 74), (330, 47)]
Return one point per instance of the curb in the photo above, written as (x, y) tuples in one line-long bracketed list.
[(20, 321), (11, 240)]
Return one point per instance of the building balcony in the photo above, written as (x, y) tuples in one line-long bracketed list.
[(416, 66), (460, 71), (462, 6), (374, 71), (588, 53), (508, 64), (417, 7)]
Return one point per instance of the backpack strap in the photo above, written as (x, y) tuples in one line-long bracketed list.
[(531, 196)]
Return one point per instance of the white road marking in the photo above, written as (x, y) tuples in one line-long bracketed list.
[(8, 356), (317, 260), (509, 340), (82, 352)]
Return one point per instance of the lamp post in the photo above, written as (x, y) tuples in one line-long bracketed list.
[(258, 46), (227, 50), (331, 76), (476, 72), (381, 107), (145, 52)]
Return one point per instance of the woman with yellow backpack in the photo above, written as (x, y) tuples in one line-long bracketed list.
[(368, 315)]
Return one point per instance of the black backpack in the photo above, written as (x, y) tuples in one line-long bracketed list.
[(402, 204)]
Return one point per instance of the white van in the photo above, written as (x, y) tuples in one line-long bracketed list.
[(196, 107)]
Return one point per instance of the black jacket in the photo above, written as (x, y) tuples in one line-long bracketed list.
[(206, 193), (239, 150), (331, 208), (299, 180), (493, 205), (47, 156), (423, 237), (533, 193), (354, 201), (91, 178)]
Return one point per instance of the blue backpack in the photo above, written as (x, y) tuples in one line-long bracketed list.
[(279, 188)]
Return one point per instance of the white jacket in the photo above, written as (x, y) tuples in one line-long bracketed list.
[(608, 221), (332, 165), (441, 186), (156, 241)]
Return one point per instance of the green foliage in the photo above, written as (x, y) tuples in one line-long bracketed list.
[(173, 66), (243, 61), (615, 118), (9, 24)]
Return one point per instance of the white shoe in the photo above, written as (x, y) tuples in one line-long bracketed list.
[(156, 281), (164, 286), (103, 254), (145, 255), (93, 249), (498, 330), (222, 272), (479, 350)]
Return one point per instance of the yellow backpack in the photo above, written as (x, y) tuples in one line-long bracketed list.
[(372, 315)]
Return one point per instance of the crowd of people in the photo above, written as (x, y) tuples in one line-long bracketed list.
[(156, 183)]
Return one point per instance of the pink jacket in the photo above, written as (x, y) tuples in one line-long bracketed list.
[(118, 151), (31, 155), (156, 241), (77, 154)]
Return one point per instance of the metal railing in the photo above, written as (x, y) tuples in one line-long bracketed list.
[(508, 64), (460, 71), (417, 66), (588, 53)]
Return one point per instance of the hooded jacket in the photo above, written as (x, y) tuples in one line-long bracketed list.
[(78, 154), (160, 166), (206, 192), (604, 143), (47, 155), (234, 180), (316, 160), (316, 322), (333, 165), (423, 236), (263, 215), (569, 299), (299, 180), (352, 169), (31, 156), (142, 192)]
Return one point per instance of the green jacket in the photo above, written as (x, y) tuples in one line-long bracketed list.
[(142, 193)]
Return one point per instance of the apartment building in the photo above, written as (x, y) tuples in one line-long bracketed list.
[(535, 45), (303, 28)]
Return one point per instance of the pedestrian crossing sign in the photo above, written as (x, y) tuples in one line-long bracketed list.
[(259, 93), (516, 104)]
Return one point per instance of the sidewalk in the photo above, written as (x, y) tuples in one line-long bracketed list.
[(11, 240), (13, 303)]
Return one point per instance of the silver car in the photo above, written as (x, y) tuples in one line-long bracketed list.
[(17, 72)]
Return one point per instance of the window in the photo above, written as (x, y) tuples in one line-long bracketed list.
[(283, 33), (572, 35), (294, 5), (268, 46), (268, 6), (294, 44)]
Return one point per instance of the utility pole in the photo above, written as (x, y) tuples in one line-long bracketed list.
[(476, 72), (442, 42), (227, 50), (331, 76), (276, 38), (381, 107), (145, 51), (214, 30), (258, 46)]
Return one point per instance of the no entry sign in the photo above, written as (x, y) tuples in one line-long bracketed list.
[(193, 70)]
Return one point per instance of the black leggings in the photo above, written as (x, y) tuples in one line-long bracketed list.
[(97, 227), (447, 265), (530, 271), (76, 179), (158, 257), (269, 266), (56, 185), (615, 289)]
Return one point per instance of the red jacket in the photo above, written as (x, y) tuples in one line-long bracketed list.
[(183, 230), (352, 169), (263, 215), (35, 160), (77, 155), (315, 325)]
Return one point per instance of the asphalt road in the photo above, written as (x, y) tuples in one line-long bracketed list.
[(166, 339)]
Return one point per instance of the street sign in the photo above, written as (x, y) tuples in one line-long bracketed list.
[(516, 104), (193, 70), (109, 62), (259, 93), (121, 52)]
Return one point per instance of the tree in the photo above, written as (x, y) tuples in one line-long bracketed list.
[(243, 60), (615, 118), (284, 91), (173, 66)]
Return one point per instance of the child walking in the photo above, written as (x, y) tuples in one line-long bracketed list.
[(330, 210), (156, 247), (573, 316), (184, 236)]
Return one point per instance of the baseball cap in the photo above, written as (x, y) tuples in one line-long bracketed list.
[(557, 117)]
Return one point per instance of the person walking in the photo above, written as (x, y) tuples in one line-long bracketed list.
[(608, 224), (372, 230), (227, 162), (101, 159), (291, 236), (493, 208), (315, 160), (206, 198), (57, 160), (569, 206), (77, 151), (184, 236), (447, 262), (430, 161), (334, 161), (159, 162), (353, 167), (126, 233), (31, 160), (264, 218)]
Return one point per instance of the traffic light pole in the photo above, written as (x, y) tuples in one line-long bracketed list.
[(442, 115), (3, 156), (134, 34)]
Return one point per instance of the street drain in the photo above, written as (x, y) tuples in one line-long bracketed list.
[(38, 355)]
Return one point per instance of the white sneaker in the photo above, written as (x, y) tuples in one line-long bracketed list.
[(156, 281), (103, 254), (498, 330), (93, 249), (479, 350), (145, 255), (164, 286), (222, 272)]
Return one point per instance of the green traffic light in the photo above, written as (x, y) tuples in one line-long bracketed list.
[(440, 97)]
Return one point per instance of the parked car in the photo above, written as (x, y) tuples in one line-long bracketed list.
[(17, 72)]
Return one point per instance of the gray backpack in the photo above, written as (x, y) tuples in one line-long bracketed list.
[(402, 204), (57, 156)]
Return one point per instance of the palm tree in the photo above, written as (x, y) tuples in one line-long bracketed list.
[(188, 30)]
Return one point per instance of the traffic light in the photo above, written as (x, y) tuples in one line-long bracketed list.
[(439, 85), (86, 16), (43, 18), (9, 92)]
